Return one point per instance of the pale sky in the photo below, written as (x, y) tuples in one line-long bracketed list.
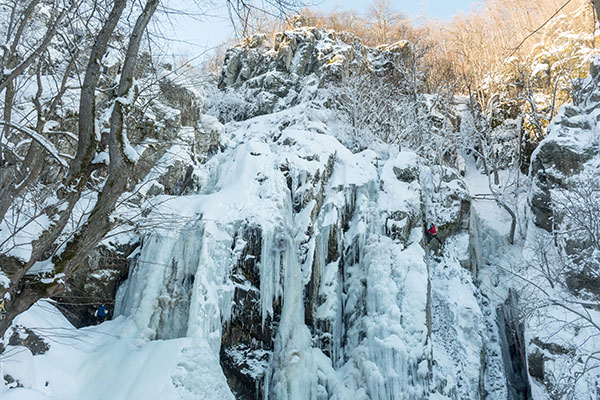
[(192, 36), (428, 8)]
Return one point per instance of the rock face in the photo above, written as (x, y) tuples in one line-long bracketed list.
[(107, 268), (511, 331), (564, 200), (311, 279), (569, 145), (187, 102), (275, 75), (176, 113), (27, 338), (247, 341), (448, 204), (555, 160)]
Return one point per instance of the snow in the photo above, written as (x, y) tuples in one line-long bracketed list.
[(45, 143), (41, 267), (489, 222), (130, 153), (540, 67), (101, 158), (111, 58), (16, 240), (4, 280), (399, 195), (101, 362)]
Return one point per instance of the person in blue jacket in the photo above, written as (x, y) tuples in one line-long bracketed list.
[(101, 313)]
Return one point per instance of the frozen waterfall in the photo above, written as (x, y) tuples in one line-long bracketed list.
[(302, 270)]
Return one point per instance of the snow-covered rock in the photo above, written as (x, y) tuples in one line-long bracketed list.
[(572, 140), (565, 198), (273, 75), (301, 267)]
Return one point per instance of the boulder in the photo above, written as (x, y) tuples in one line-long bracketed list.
[(27, 338)]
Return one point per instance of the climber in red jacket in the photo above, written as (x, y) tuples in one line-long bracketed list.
[(431, 233)]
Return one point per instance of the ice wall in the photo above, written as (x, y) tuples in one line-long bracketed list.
[(301, 266), (179, 287)]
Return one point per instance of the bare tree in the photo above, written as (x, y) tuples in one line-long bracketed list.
[(23, 293), (372, 108), (16, 176), (73, 169), (383, 20)]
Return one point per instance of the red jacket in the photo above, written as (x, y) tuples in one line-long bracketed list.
[(432, 230)]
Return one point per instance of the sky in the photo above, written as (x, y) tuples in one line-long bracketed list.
[(191, 37), (442, 9)]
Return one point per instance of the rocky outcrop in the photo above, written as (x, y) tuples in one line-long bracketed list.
[(22, 336), (563, 201), (247, 341), (568, 146), (554, 162), (275, 74), (512, 342), (449, 203), (207, 136), (248, 338), (199, 144), (180, 98), (174, 116)]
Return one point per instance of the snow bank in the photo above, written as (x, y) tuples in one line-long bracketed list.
[(105, 361)]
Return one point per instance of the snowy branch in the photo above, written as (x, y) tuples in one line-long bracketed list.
[(46, 144)]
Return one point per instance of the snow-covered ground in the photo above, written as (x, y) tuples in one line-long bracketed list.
[(100, 362)]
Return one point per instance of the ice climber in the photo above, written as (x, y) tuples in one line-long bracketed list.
[(101, 313), (431, 233)]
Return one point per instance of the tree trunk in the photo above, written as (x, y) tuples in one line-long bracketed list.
[(120, 172), (27, 297), (87, 104), (596, 4)]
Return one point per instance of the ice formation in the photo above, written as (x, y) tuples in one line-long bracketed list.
[(324, 247), (342, 225)]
